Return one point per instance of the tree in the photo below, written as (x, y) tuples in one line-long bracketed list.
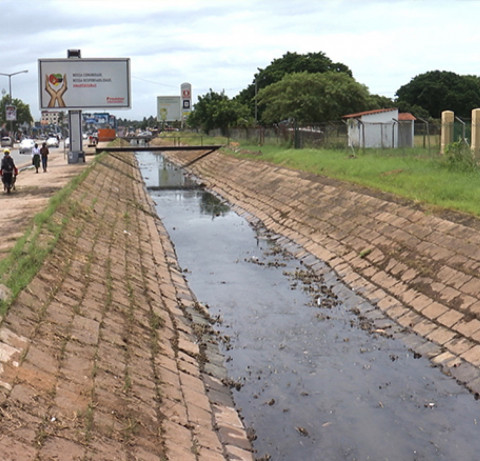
[(23, 113), (436, 91), (312, 98), (289, 63), (379, 102), (216, 110)]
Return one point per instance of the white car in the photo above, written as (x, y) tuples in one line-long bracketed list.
[(52, 141), (7, 141), (26, 146)]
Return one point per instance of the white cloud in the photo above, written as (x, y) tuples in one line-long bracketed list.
[(219, 44)]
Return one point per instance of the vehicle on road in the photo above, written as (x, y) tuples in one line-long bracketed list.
[(26, 146), (7, 141), (52, 141)]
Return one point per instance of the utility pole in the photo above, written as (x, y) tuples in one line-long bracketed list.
[(10, 89)]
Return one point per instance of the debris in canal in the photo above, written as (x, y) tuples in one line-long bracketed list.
[(232, 384), (327, 361), (302, 431)]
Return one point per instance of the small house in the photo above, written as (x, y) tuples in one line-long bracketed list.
[(380, 128)]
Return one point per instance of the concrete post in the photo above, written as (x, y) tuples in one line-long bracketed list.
[(476, 134), (448, 118)]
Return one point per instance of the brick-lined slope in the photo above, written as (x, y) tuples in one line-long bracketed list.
[(97, 358), (421, 270)]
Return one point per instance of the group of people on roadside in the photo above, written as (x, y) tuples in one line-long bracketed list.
[(39, 155)]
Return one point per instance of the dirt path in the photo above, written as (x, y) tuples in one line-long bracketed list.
[(98, 357)]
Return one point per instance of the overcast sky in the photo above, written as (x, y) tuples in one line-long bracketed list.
[(220, 44)]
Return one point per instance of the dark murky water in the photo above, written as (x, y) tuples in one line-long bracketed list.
[(315, 382)]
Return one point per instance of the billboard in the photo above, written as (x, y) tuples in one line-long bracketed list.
[(84, 83), (102, 120), (186, 91), (168, 109), (10, 113)]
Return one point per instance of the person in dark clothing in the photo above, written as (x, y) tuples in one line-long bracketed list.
[(8, 170), (44, 154)]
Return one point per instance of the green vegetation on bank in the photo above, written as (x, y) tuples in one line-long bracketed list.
[(21, 265), (451, 181)]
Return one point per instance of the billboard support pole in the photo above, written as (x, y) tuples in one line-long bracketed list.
[(75, 124), (75, 128)]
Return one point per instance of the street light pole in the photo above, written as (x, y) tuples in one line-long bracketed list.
[(10, 86), (10, 80)]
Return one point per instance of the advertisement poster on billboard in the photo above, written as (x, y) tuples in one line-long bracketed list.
[(10, 113), (84, 83), (168, 108)]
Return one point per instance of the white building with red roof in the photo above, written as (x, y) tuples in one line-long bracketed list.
[(380, 128)]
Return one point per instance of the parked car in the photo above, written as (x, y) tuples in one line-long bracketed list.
[(52, 141), (7, 141), (26, 146)]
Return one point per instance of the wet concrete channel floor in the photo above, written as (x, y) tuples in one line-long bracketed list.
[(315, 375)]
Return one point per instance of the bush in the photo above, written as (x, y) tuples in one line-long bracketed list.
[(458, 157)]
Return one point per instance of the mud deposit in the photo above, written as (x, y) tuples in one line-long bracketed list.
[(316, 372)]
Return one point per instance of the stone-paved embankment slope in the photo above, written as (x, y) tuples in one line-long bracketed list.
[(421, 270), (98, 360)]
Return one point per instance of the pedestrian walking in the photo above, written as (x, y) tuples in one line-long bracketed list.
[(36, 157), (44, 154)]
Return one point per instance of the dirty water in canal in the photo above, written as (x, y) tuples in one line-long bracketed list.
[(313, 378)]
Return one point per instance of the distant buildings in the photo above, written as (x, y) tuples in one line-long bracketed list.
[(50, 118)]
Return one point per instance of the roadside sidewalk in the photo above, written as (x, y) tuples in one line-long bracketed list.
[(98, 356)]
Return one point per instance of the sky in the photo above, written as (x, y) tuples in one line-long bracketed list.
[(221, 44)]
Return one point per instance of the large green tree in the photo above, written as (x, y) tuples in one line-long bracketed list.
[(23, 113), (289, 63), (216, 110), (313, 98), (436, 91)]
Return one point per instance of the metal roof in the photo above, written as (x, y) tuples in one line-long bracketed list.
[(368, 112)]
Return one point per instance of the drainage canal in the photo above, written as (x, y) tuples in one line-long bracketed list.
[(315, 378)]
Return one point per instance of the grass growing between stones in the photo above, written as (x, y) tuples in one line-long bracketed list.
[(30, 251)]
